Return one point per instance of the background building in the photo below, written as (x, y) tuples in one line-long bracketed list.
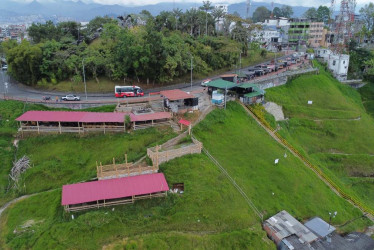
[(315, 34)]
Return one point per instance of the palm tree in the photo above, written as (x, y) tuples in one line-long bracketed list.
[(217, 14), (193, 18), (177, 13), (207, 5)]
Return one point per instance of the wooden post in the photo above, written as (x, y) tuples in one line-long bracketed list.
[(97, 170), (157, 156), (181, 127), (115, 167), (37, 123), (152, 123), (127, 166), (134, 125), (101, 167), (189, 129), (20, 124), (79, 130), (140, 170), (104, 127), (59, 126)]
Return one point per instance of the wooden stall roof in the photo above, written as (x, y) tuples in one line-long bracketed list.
[(71, 116), (176, 94), (184, 122), (150, 117), (113, 188)]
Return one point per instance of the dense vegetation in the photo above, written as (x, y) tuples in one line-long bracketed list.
[(336, 132), (144, 48)]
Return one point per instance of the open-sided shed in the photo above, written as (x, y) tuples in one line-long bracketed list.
[(69, 121), (96, 194), (143, 121)]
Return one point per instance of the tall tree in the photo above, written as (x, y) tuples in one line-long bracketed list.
[(367, 13), (207, 6), (177, 13), (311, 13), (260, 14), (277, 12), (323, 14), (287, 11)]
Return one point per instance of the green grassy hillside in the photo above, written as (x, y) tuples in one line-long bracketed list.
[(335, 131)]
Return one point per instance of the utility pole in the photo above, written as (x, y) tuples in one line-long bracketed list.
[(191, 70), (240, 61), (84, 79), (332, 215)]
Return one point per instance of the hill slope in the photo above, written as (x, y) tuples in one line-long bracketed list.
[(335, 131)]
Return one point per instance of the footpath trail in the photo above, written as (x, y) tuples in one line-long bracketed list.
[(334, 187)]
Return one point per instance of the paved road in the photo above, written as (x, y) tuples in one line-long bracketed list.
[(19, 91)]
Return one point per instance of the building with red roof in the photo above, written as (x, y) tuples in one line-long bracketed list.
[(81, 122), (103, 193), (179, 101)]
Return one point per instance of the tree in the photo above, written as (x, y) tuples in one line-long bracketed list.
[(260, 14), (311, 13), (207, 5), (42, 32), (287, 11), (277, 12), (177, 13), (367, 13), (323, 14), (24, 61), (217, 14)]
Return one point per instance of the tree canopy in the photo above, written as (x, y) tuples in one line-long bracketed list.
[(260, 14)]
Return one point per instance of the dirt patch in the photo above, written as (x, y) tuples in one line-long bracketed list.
[(275, 110)]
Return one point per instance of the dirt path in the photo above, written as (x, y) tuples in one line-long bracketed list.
[(343, 119), (276, 138)]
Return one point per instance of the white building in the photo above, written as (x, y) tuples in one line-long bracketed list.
[(278, 22), (267, 35), (338, 64)]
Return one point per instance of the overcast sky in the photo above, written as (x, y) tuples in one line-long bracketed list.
[(307, 3)]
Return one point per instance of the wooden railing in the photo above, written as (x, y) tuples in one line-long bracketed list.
[(122, 170), (159, 157), (149, 125), (62, 129)]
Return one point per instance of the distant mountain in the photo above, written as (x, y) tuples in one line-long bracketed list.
[(81, 11)]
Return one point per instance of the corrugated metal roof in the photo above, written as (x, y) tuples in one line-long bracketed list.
[(176, 94), (319, 227), (150, 117), (113, 188), (71, 116), (221, 84), (184, 122)]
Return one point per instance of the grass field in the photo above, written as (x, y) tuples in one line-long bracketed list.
[(105, 85), (336, 131), (208, 214), (248, 154), (367, 94)]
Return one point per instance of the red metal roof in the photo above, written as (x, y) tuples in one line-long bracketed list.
[(113, 188), (184, 122), (71, 116), (150, 117), (176, 94)]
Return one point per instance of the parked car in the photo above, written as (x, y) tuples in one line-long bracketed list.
[(5, 67), (71, 98), (204, 83)]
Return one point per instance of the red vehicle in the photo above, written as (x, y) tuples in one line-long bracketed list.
[(128, 91)]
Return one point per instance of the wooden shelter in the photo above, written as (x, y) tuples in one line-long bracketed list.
[(143, 121), (104, 193), (71, 122)]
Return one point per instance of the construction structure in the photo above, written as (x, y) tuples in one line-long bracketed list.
[(159, 155), (111, 192), (117, 170), (315, 37)]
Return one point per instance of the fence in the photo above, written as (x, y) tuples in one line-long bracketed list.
[(122, 170), (159, 157), (351, 198), (63, 129)]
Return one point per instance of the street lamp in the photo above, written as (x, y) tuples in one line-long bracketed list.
[(84, 79), (332, 215)]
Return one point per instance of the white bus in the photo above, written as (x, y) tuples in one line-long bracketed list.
[(128, 91)]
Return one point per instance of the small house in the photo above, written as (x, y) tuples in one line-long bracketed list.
[(250, 93), (179, 101)]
